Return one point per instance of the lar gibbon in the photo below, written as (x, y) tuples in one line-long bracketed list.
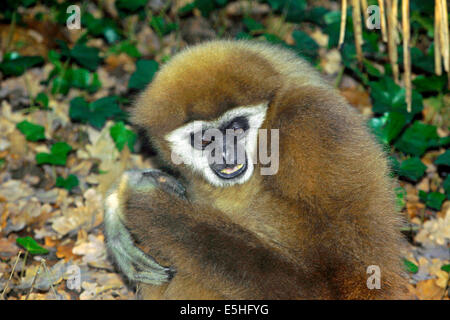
[(224, 230)]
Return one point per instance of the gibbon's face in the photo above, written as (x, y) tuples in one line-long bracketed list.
[(203, 110), (221, 150)]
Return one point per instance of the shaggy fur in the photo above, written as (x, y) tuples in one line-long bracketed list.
[(308, 232)]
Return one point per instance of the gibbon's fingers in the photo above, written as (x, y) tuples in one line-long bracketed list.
[(130, 259)]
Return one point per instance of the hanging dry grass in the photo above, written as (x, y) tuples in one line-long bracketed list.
[(357, 27), (382, 20), (389, 32), (437, 40), (406, 53), (343, 20)]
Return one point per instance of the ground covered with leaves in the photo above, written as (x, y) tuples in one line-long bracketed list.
[(64, 132)]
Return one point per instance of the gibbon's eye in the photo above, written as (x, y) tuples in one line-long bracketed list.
[(238, 124), (200, 143)]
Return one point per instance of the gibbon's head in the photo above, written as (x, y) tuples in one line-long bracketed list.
[(204, 107)]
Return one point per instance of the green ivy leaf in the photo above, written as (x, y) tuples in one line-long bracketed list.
[(14, 65), (252, 25), (145, 70), (205, 7), (409, 266), (387, 127), (42, 100), (388, 96), (29, 244), (412, 169), (95, 112), (446, 186), (306, 46), (433, 200), (418, 138), (446, 268), (69, 183), (131, 5), (400, 194), (294, 9), (32, 132), (101, 27), (127, 47), (121, 136), (162, 27), (430, 83), (443, 159), (57, 156), (87, 57)]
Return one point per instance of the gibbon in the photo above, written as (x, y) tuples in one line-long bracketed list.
[(322, 225)]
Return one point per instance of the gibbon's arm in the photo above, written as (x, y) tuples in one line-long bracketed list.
[(149, 206)]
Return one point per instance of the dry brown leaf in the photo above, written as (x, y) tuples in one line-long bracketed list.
[(429, 290)]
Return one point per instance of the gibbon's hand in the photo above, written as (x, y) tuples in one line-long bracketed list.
[(133, 262)]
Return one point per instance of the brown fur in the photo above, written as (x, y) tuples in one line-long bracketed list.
[(311, 230)]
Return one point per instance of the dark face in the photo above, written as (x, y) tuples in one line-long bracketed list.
[(221, 150), (226, 150)]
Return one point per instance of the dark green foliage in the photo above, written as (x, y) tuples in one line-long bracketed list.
[(131, 5), (443, 159), (96, 113), (161, 26), (15, 65), (69, 183), (105, 27), (33, 132), (127, 47), (432, 200), (430, 83), (29, 244), (409, 266), (418, 138), (252, 25), (86, 56), (145, 70), (293, 9), (388, 96), (121, 136), (57, 156), (387, 127), (446, 186), (412, 168), (41, 100), (305, 45)]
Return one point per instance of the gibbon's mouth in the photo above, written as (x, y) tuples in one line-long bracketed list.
[(230, 172)]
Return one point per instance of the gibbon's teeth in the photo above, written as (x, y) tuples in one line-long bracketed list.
[(231, 170)]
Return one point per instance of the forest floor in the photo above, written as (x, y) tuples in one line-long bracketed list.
[(55, 165)]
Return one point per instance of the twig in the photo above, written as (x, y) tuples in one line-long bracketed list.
[(364, 10), (343, 21), (392, 30), (437, 40), (49, 278), (11, 31), (22, 273), (406, 53), (10, 276), (34, 281), (356, 13), (383, 20)]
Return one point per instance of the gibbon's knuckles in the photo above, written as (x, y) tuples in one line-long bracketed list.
[(228, 231)]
